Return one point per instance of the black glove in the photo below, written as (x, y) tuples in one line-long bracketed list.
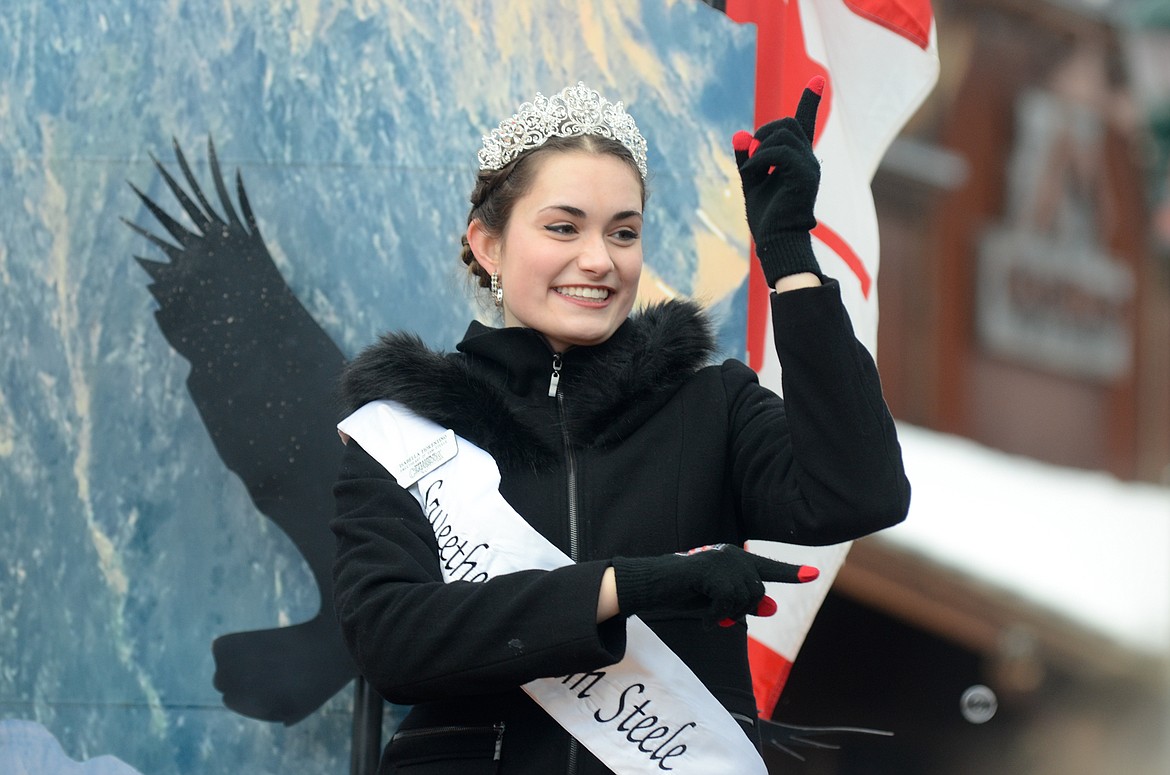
[(780, 178), (722, 580)]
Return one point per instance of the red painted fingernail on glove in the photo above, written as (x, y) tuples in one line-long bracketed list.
[(807, 573), (816, 84), (766, 607), (743, 141)]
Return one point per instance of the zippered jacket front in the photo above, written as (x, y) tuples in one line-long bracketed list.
[(636, 447)]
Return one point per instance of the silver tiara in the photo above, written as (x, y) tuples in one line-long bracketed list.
[(575, 111)]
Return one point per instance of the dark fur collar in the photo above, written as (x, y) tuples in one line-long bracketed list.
[(493, 392)]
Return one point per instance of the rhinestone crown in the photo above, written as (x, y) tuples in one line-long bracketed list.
[(575, 111)]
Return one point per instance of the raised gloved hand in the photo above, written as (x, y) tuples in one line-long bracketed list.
[(780, 178), (722, 581)]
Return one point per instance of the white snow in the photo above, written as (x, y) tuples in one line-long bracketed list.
[(1078, 543)]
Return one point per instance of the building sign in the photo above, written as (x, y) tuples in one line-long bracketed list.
[(1048, 291)]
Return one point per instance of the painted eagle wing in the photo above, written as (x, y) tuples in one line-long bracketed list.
[(262, 378)]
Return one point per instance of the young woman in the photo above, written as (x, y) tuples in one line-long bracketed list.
[(618, 443)]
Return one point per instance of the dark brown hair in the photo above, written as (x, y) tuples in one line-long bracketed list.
[(496, 191)]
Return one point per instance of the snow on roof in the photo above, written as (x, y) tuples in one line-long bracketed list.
[(1081, 544)]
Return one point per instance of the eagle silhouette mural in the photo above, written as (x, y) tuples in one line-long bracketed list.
[(262, 377)]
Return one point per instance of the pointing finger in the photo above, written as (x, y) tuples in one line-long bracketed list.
[(806, 109), (773, 570)]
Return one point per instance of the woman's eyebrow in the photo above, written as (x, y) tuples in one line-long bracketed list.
[(577, 212)]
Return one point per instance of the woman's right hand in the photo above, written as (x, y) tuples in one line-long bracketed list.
[(722, 581)]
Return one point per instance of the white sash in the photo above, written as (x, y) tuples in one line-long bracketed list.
[(649, 712)]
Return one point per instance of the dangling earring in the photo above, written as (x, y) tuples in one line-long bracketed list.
[(497, 290)]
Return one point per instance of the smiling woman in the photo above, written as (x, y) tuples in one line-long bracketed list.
[(571, 582)]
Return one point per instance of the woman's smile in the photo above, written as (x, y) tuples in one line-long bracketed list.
[(587, 294)]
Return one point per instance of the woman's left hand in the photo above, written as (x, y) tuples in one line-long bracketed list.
[(780, 177)]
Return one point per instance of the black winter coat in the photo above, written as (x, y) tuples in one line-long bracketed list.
[(645, 450)]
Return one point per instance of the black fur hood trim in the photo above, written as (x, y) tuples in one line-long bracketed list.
[(487, 391)]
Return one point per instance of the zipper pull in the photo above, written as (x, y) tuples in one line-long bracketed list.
[(499, 727), (556, 376)]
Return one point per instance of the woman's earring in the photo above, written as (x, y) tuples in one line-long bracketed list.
[(497, 290)]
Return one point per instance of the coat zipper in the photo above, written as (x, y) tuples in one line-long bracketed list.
[(498, 728), (556, 376), (570, 459), (573, 746), (574, 531)]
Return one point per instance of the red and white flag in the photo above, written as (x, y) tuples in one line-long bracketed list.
[(879, 61)]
